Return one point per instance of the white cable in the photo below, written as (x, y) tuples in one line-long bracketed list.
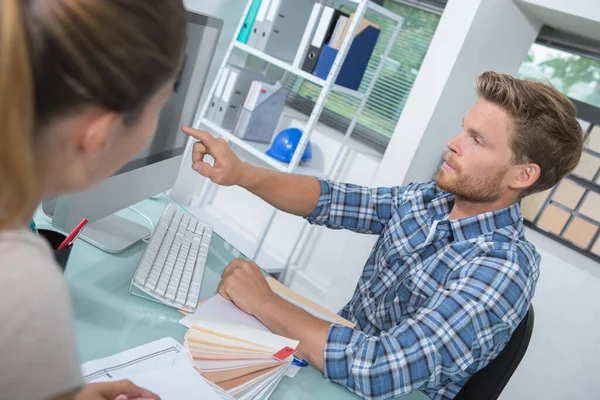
[(135, 210)]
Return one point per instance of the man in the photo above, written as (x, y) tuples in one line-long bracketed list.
[(451, 275)]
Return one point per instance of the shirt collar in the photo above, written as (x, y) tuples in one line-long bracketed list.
[(475, 226)]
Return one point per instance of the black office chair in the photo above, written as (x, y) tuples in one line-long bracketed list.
[(488, 382)]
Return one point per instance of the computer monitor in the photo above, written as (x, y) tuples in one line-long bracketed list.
[(156, 168)]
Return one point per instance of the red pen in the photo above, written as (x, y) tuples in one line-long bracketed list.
[(73, 235)]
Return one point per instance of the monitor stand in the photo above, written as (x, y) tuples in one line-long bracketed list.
[(112, 234)]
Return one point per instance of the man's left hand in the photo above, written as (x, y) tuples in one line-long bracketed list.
[(243, 283)]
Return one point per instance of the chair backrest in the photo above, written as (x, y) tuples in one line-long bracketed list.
[(488, 382)]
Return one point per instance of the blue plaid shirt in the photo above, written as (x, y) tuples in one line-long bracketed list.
[(437, 300)]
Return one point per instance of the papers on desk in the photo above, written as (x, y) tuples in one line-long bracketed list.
[(217, 308), (163, 367), (234, 350), (240, 360)]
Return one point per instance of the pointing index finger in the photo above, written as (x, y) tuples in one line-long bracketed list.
[(203, 136)]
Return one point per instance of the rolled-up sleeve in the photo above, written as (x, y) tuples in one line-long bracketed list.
[(461, 326), (356, 208)]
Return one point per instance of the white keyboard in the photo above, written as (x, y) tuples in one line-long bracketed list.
[(172, 266)]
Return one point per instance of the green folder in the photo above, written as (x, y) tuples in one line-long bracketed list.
[(249, 22)]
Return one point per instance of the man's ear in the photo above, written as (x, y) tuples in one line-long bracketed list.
[(95, 133), (524, 176)]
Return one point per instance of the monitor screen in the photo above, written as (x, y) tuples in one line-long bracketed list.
[(203, 34)]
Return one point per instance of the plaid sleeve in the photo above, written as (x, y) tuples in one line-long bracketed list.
[(459, 327), (357, 208)]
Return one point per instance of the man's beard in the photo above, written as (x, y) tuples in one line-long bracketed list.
[(472, 189)]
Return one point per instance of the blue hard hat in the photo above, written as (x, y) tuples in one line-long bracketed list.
[(285, 143)]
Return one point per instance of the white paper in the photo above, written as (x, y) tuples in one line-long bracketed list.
[(221, 309), (163, 367), (165, 353), (176, 384), (256, 385), (292, 370)]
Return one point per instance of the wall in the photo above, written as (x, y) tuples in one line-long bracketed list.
[(563, 358)]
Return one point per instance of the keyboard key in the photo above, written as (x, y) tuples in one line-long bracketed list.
[(170, 294), (161, 288), (139, 279), (191, 236), (181, 297)]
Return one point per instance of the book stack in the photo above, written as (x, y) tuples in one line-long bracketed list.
[(244, 362)]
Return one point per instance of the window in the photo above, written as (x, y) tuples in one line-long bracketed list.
[(576, 76), (380, 116), (570, 212)]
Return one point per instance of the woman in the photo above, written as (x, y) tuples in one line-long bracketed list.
[(82, 83)]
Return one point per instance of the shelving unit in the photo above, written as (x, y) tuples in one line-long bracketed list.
[(296, 71), (327, 86)]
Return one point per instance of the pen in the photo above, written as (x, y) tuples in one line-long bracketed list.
[(299, 362), (73, 235)]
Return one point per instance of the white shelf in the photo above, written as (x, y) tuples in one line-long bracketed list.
[(296, 71), (317, 166), (258, 150), (377, 9)]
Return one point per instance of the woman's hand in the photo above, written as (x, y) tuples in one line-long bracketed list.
[(119, 390)]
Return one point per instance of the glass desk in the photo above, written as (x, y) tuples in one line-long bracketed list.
[(108, 319)]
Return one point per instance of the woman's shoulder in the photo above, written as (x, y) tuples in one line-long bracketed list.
[(28, 268), (37, 341)]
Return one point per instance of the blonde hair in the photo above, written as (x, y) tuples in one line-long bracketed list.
[(58, 56), (545, 127), (17, 182)]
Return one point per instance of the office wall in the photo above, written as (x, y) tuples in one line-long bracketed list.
[(563, 358)]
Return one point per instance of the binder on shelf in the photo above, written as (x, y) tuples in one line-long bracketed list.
[(261, 112), (341, 28), (357, 59), (309, 31), (234, 95), (249, 22), (284, 27), (215, 102), (267, 25), (325, 28), (258, 21)]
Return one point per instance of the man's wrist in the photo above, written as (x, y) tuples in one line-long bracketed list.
[(267, 305), (246, 175)]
